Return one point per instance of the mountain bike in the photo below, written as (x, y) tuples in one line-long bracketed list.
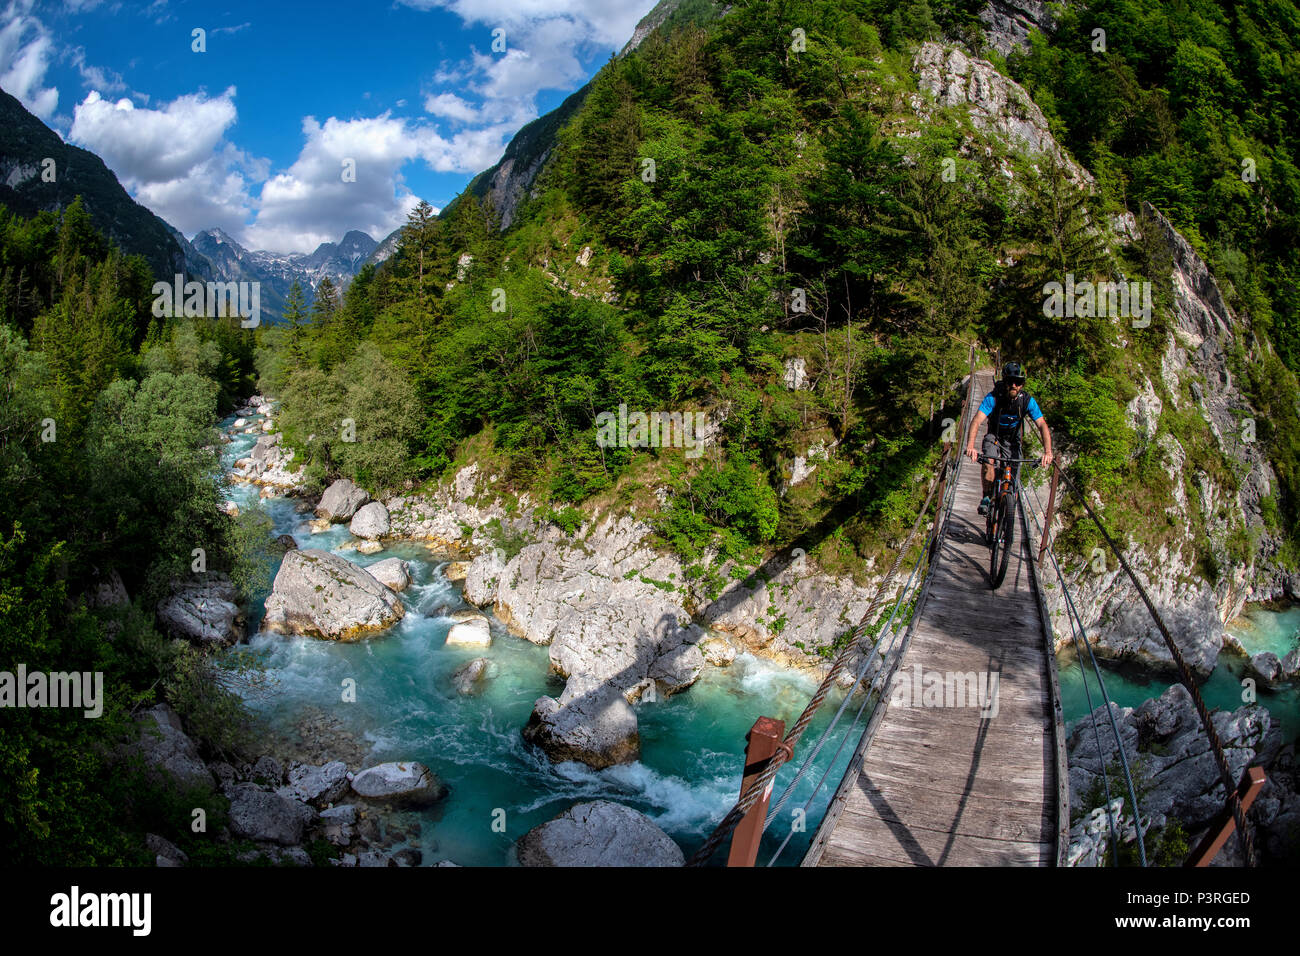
[(1000, 523)]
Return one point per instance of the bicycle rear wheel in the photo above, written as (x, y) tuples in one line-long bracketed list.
[(1006, 532), (995, 540)]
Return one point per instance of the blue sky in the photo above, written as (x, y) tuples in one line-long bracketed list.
[(253, 134)]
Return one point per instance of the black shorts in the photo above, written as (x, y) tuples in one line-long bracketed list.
[(1006, 448)]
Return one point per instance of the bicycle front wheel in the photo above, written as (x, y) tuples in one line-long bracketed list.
[(1006, 532)]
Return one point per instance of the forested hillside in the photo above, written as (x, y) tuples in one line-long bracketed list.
[(747, 195), (107, 485)]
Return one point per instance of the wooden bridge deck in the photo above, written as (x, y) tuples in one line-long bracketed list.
[(942, 786)]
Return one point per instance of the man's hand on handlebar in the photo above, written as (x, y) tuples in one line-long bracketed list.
[(1047, 459), (970, 452)]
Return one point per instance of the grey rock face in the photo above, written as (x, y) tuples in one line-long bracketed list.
[(168, 752), (341, 501), (165, 852), (109, 590), (370, 521), (600, 833), (405, 783), (1008, 23), (257, 814), (1177, 774), (998, 105), (322, 595), (202, 611)]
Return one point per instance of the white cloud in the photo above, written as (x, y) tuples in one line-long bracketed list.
[(174, 159), (611, 21), (311, 202), (26, 49), (543, 41), (153, 145), (451, 106), (94, 77)]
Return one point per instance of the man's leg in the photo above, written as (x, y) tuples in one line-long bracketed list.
[(990, 450)]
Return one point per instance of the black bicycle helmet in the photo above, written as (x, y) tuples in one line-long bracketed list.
[(1013, 372)]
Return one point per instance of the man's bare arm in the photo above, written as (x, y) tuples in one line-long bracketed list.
[(975, 424), (1046, 434)]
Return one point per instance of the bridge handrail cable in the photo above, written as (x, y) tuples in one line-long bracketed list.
[(1184, 674)]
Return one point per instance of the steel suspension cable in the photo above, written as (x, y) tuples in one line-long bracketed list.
[(1185, 677)]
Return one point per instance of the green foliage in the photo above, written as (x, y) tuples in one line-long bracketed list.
[(1088, 418), (567, 519)]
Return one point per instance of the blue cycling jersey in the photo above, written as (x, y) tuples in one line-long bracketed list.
[(1008, 420)]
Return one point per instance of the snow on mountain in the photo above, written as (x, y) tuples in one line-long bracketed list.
[(231, 262)]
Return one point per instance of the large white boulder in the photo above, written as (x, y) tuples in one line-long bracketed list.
[(407, 783), (393, 573), (470, 629), (600, 833), (322, 595), (370, 521), (341, 501)]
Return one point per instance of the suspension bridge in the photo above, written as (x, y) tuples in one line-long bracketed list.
[(958, 742)]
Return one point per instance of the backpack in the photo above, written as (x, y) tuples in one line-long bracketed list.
[(1004, 405)]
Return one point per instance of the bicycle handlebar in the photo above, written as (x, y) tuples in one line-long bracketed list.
[(1033, 462)]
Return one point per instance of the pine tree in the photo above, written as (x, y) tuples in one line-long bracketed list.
[(295, 318)]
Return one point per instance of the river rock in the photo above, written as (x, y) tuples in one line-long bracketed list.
[(599, 833), (165, 852), (338, 824), (1177, 776), (370, 521), (469, 678), (456, 570), (405, 783), (1291, 665), (318, 785), (203, 611), (341, 501), (367, 546), (168, 753), (286, 543), (471, 629), (598, 728), (322, 595), (392, 573), (262, 448), (1267, 668), (257, 814)]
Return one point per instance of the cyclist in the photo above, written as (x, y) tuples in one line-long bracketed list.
[(1005, 408)]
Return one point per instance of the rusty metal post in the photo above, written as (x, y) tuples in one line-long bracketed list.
[(1251, 782), (1047, 515), (760, 745)]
